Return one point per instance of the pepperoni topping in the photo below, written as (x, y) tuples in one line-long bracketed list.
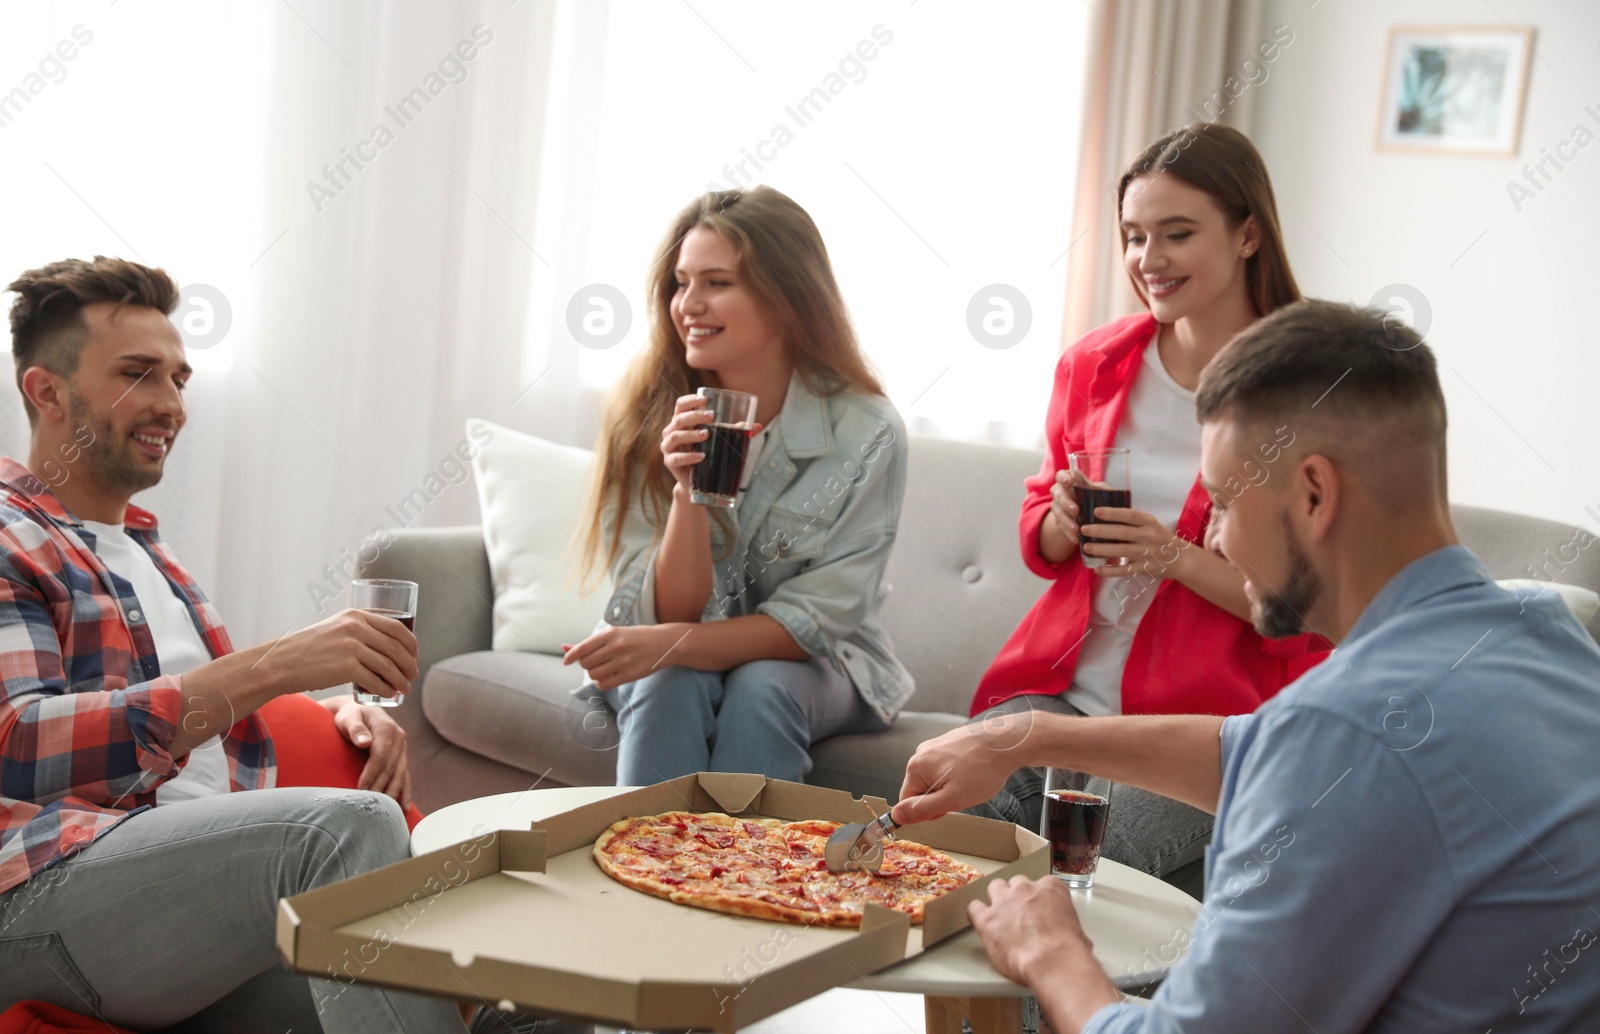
[(717, 860)]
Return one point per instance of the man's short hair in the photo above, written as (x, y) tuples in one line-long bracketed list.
[(47, 324), (1351, 376)]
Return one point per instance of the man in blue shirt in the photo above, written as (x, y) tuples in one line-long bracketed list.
[(1408, 837)]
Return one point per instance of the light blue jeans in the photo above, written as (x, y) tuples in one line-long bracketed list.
[(759, 717)]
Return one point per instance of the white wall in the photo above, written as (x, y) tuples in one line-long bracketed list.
[(1512, 315)]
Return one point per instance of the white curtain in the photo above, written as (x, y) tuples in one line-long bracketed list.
[(371, 313), (142, 137), (385, 284), (395, 312), (1154, 65)]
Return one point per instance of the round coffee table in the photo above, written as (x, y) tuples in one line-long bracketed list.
[(1139, 925), (519, 810)]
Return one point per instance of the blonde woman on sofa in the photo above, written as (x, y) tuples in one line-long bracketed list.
[(1164, 626), (736, 638)]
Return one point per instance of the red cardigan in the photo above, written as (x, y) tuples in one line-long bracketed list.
[(1188, 656)]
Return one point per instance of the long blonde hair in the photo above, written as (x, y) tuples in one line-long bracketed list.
[(785, 264)]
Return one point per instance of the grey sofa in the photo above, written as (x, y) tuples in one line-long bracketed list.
[(483, 722)]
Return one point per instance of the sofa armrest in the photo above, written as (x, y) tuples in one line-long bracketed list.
[(455, 599), (1513, 545)]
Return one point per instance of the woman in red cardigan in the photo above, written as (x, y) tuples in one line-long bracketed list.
[(1164, 626)]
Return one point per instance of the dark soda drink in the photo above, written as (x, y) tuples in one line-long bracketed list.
[(1075, 824), (408, 620), (719, 473), (1088, 498), (374, 699)]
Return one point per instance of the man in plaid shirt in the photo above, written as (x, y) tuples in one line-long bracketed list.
[(143, 848)]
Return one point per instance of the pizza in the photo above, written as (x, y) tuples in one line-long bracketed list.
[(769, 869)]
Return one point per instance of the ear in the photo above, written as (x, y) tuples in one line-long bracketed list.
[(1319, 496), (47, 392), (1250, 237)]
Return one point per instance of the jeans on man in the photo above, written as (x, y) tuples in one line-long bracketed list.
[(171, 919)]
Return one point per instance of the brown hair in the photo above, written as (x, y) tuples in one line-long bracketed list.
[(47, 324), (1359, 381), (1222, 162), (785, 264)]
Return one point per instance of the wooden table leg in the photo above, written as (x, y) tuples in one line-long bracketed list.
[(995, 1015), (987, 1015), (943, 1015)]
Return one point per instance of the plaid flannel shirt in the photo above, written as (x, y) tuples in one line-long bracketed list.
[(86, 717)]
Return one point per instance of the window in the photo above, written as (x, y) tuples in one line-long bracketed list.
[(934, 146)]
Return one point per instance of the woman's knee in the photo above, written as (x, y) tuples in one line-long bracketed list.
[(674, 684), (782, 682)]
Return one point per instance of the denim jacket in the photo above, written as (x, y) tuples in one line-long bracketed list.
[(811, 539)]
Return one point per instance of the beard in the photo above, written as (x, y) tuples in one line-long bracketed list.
[(1280, 614), (109, 457)]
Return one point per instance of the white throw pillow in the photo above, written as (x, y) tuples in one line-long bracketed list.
[(530, 492), (1584, 603)]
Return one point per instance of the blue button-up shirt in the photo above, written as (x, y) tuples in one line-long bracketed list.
[(1408, 837)]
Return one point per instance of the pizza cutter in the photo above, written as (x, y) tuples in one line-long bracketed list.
[(859, 845)]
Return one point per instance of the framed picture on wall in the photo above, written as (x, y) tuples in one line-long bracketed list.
[(1455, 90)]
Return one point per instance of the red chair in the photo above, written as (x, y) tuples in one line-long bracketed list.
[(44, 1018), (311, 752)]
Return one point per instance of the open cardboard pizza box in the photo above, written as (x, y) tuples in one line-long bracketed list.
[(526, 919)]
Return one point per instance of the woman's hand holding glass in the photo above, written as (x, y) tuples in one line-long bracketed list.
[(1138, 544), (684, 433), (1058, 534), (1063, 508), (682, 436)]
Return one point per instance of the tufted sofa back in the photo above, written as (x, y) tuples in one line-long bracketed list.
[(957, 583), (959, 588)]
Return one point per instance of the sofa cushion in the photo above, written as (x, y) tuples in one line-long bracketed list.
[(957, 584), (1584, 603), (518, 709), (531, 494)]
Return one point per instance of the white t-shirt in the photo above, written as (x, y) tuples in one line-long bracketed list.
[(1160, 431), (179, 647)]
